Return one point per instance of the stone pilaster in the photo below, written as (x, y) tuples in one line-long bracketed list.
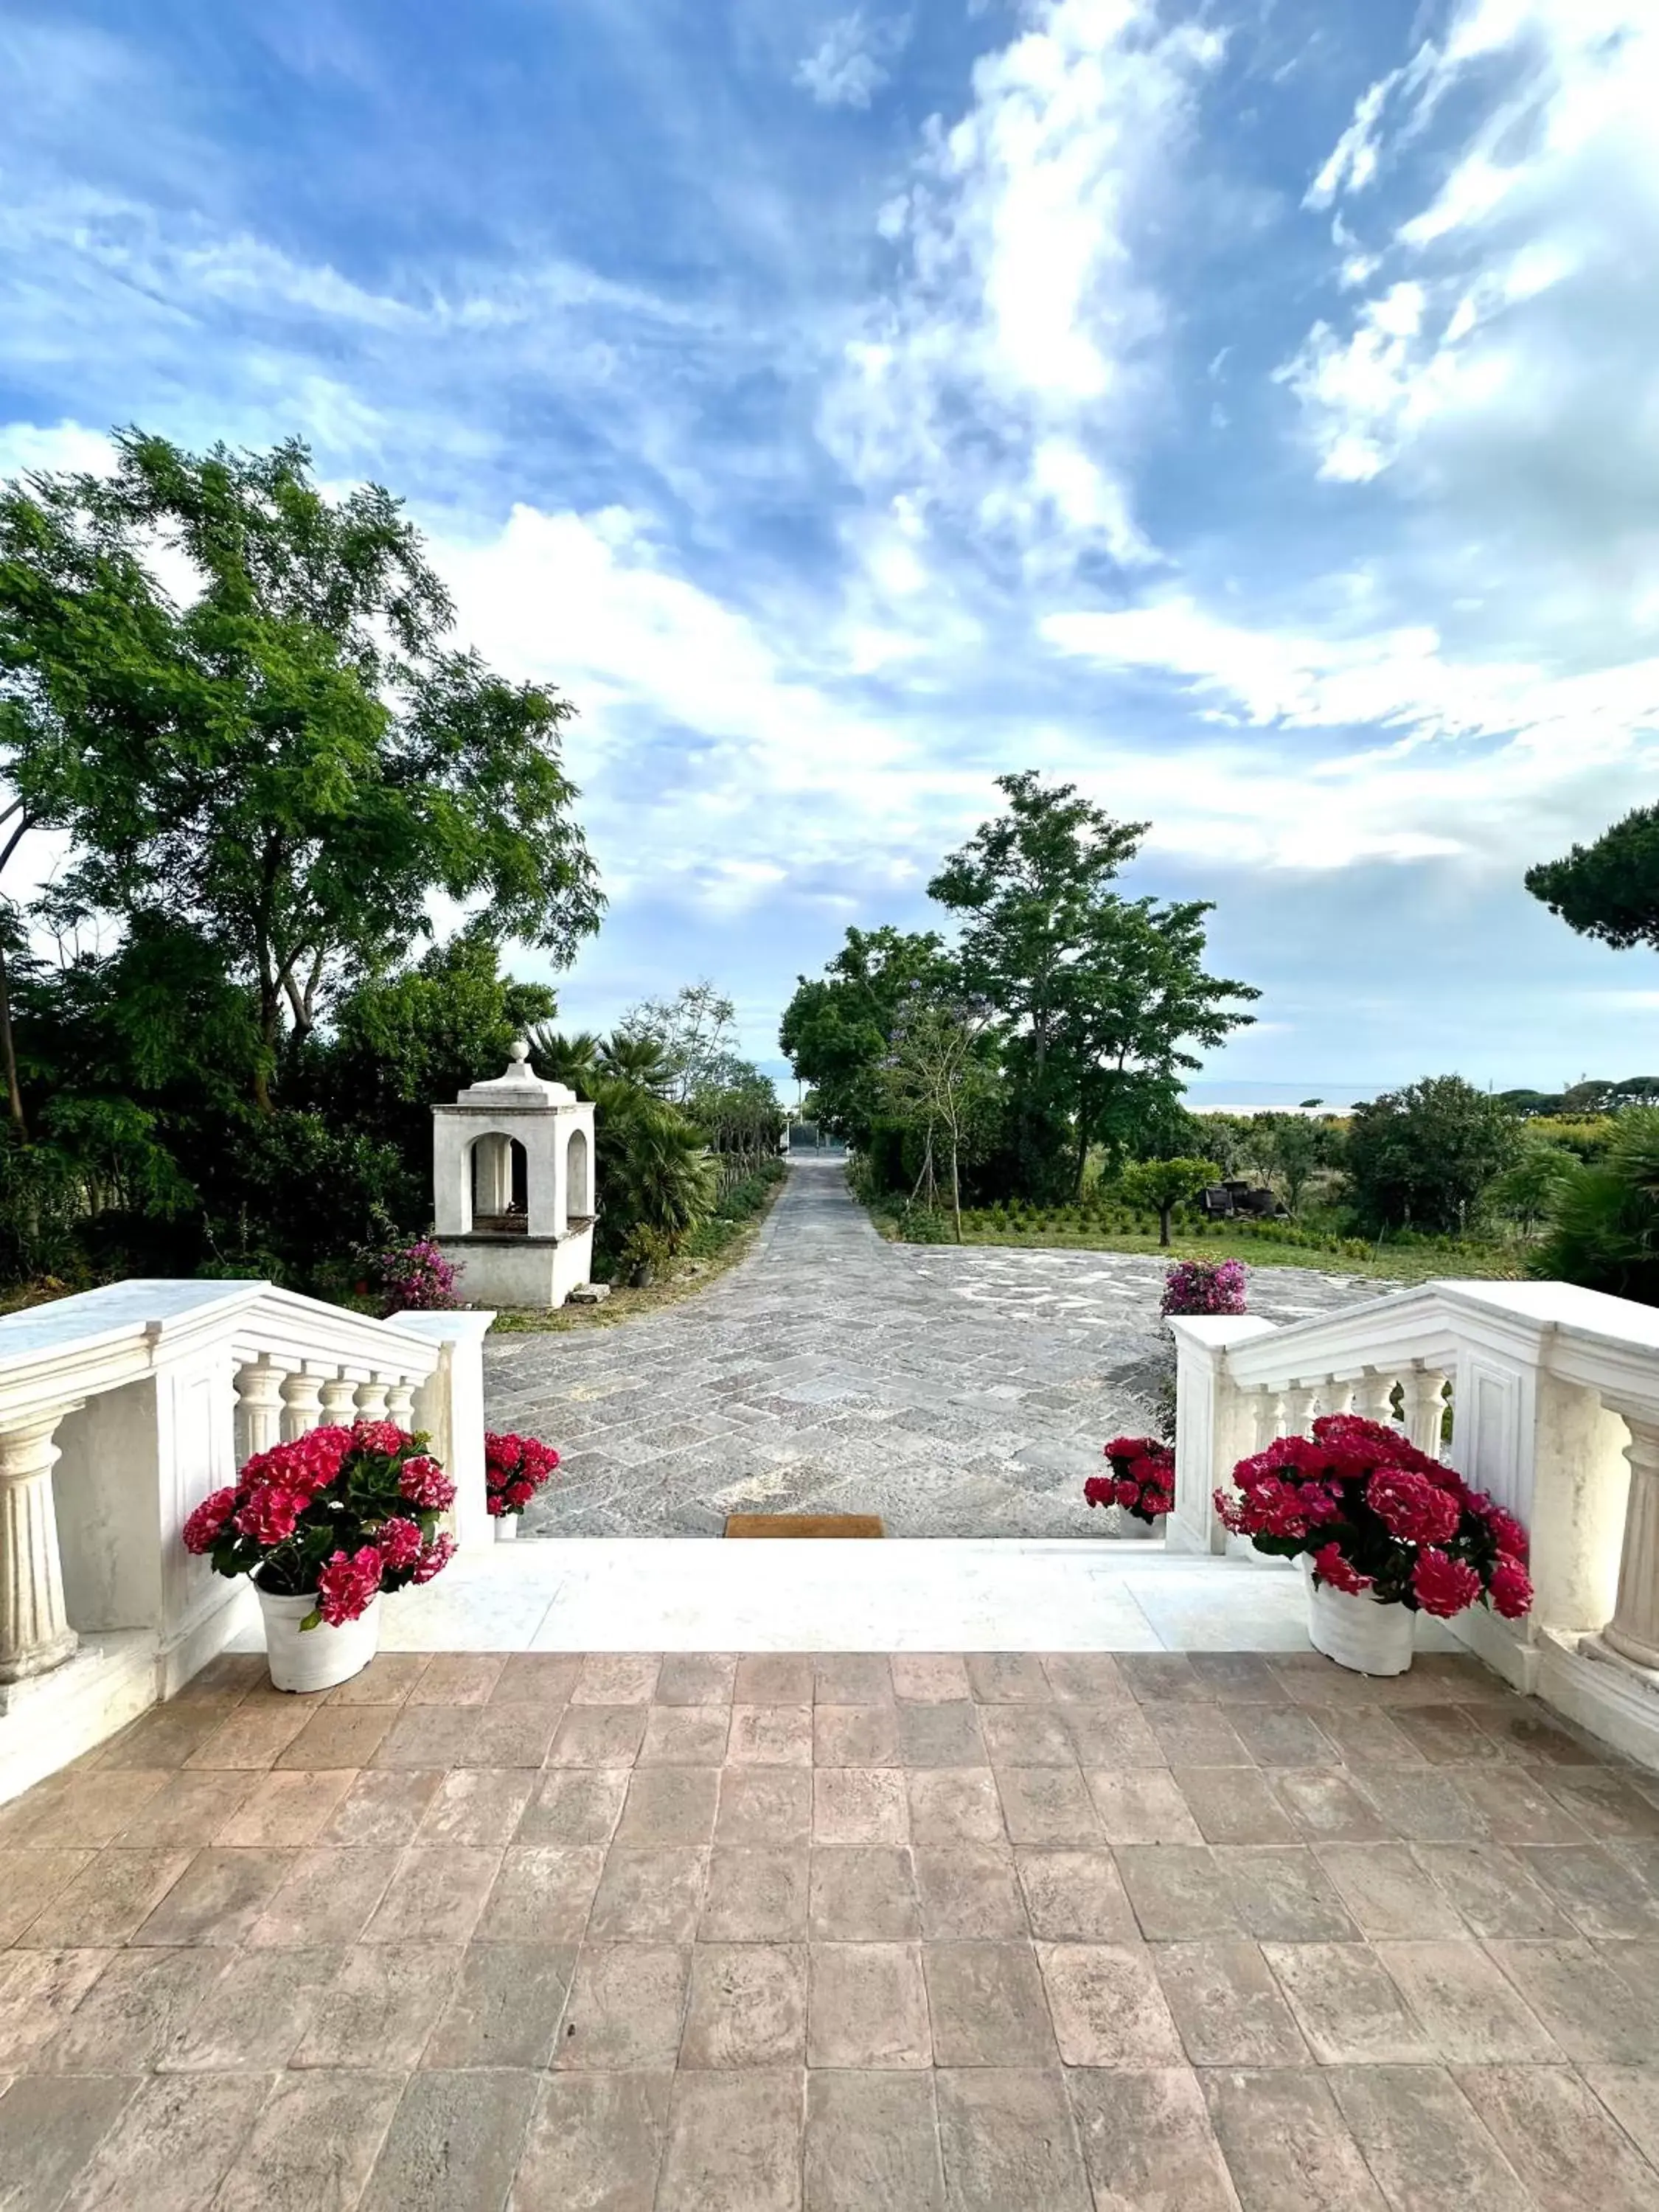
[(34, 1631)]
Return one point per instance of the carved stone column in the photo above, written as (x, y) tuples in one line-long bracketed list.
[(1299, 1409), (1426, 1409), (1269, 1418), (303, 1399), (34, 1631), (371, 1399), (400, 1403), (339, 1401), (1633, 1632), (1373, 1396), (259, 1407)]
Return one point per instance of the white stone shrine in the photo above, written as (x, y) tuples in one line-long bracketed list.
[(513, 1188)]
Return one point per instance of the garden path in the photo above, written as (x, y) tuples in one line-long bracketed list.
[(955, 1392)]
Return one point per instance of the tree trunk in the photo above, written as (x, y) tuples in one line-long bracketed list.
[(8, 1055), (1164, 1213), (956, 1190)]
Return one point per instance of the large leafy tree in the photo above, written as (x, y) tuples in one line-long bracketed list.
[(239, 698), (1104, 995), (837, 1029), (1422, 1156), (1608, 889)]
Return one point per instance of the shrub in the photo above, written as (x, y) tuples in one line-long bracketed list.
[(415, 1278), (1194, 1286)]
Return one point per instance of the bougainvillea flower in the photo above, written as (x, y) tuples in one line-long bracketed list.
[(1444, 1586)]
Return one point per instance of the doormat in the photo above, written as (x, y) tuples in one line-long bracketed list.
[(803, 1524)]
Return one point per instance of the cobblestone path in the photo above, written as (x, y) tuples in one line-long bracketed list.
[(957, 1392)]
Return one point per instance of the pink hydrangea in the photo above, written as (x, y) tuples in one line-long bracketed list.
[(435, 1558), (1410, 1507), (1508, 1535), (1331, 1567), (424, 1483), (1510, 1589), (1444, 1586), (270, 1515), (379, 1437), (348, 1584), (399, 1541), (204, 1526)]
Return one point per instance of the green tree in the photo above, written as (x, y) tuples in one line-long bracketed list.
[(837, 1029), (1603, 1231), (1529, 1190), (288, 756), (1291, 1149), (1422, 1156), (1608, 889), (1163, 1185), (694, 1034), (936, 1078), (1103, 994)]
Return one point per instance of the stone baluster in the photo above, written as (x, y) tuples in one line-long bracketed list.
[(400, 1402), (1373, 1396), (259, 1407), (371, 1399), (339, 1400), (1633, 1632), (1336, 1395), (34, 1631), (1426, 1408), (302, 1403), (1299, 1403), (1269, 1418)]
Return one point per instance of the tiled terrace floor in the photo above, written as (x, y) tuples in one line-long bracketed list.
[(856, 1934)]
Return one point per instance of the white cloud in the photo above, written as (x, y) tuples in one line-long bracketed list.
[(1000, 381), (851, 64), (1501, 361)]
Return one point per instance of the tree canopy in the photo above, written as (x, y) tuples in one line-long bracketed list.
[(1422, 1155), (237, 697), (1608, 889)]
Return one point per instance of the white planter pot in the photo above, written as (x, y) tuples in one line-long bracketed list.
[(507, 1528), (1359, 1631), (314, 1658), (1132, 1529)]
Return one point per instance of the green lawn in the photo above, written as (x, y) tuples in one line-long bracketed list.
[(1395, 1264)]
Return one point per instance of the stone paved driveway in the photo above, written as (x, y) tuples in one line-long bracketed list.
[(955, 1392), (1086, 1934)]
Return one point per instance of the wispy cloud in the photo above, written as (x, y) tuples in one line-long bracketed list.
[(855, 59)]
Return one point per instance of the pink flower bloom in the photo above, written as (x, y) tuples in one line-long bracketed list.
[(1331, 1567), (270, 1515), (520, 1493), (1444, 1586), (1100, 1490), (1510, 1536), (204, 1525), (1510, 1589), (435, 1558), (1128, 1493), (1410, 1507), (379, 1436), (400, 1542), (348, 1585), (424, 1483)]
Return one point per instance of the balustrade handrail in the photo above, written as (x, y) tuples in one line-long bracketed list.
[(99, 1340), (1580, 1336)]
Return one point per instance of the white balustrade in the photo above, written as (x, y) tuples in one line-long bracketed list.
[(34, 1631), (1553, 1397), (120, 1410)]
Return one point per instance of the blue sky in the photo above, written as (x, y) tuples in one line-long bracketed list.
[(1249, 410)]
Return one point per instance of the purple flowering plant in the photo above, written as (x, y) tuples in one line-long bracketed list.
[(416, 1277), (1198, 1287)]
